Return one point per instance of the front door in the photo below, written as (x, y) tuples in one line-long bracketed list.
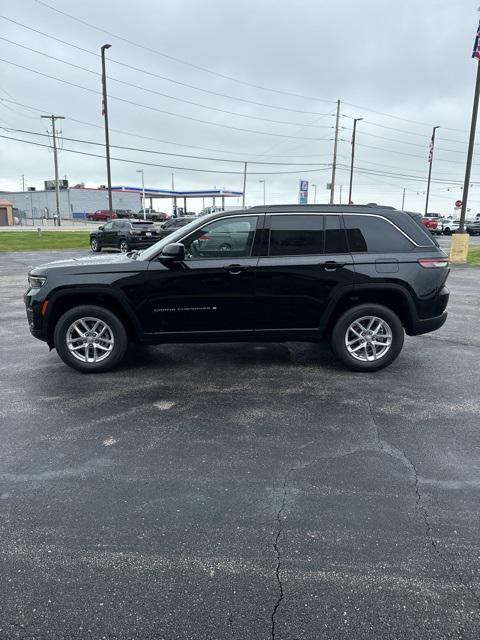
[(213, 289), (307, 265)]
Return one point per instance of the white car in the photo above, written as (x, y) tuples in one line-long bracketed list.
[(449, 226)]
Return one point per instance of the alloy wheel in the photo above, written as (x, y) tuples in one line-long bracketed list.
[(368, 338), (90, 340)]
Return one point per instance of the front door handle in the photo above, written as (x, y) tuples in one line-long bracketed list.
[(331, 265), (235, 269)]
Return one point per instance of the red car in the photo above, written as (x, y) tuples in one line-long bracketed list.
[(431, 224), (102, 215)]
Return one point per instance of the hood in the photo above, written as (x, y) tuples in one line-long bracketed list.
[(106, 262)]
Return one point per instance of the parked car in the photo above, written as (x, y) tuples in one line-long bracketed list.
[(449, 226), (431, 224), (172, 224), (473, 228), (101, 215), (124, 235), (362, 276), (151, 214), (124, 213)]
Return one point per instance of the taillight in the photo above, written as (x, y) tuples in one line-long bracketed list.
[(433, 263), (203, 238), (135, 233)]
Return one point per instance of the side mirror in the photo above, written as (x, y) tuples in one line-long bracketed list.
[(174, 252), (100, 228)]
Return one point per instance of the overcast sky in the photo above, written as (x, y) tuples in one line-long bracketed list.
[(408, 59)]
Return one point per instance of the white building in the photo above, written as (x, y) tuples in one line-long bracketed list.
[(37, 204)]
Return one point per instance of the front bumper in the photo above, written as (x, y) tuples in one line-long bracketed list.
[(34, 317)]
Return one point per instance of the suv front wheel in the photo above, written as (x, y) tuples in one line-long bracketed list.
[(90, 339), (367, 337)]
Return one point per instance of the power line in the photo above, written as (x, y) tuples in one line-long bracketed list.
[(226, 77), (165, 153), (152, 139), (167, 166), (149, 107), (180, 61), (165, 95), (165, 78)]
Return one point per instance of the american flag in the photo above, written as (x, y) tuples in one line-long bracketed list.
[(430, 151), (476, 46)]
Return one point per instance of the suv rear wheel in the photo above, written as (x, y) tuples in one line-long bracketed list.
[(90, 339), (367, 337), (123, 246)]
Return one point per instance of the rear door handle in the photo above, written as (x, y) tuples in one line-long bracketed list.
[(331, 265), (235, 269)]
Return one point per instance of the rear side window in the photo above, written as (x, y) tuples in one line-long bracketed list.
[(296, 235), (374, 235)]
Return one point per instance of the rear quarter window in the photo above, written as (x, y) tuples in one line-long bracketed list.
[(371, 234)]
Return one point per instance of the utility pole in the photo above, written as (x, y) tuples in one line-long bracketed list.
[(174, 198), (403, 199), (355, 120), (23, 182), (430, 161), (107, 135), (471, 143), (341, 194), (263, 181), (55, 162), (244, 183), (335, 144), (314, 193)]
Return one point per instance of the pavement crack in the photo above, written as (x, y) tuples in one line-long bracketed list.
[(392, 451), (276, 547)]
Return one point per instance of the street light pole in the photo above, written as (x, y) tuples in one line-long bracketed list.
[(143, 193), (107, 135), (403, 199), (55, 162), (355, 120), (263, 181), (430, 161), (314, 193)]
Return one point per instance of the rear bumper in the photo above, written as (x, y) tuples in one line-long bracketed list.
[(427, 325)]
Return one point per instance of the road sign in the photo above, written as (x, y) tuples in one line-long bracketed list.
[(303, 192), (458, 204)]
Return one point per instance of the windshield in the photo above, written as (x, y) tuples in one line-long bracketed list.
[(147, 254)]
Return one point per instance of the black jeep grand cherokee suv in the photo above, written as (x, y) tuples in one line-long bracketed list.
[(361, 275)]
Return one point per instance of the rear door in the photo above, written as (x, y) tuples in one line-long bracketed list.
[(307, 265)]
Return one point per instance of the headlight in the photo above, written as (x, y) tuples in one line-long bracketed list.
[(36, 282)]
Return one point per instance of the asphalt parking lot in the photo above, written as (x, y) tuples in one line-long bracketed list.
[(240, 491)]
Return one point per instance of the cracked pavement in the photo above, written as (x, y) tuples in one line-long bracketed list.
[(240, 490)]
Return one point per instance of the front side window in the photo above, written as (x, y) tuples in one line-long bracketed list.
[(108, 226), (373, 234), (296, 234), (224, 238)]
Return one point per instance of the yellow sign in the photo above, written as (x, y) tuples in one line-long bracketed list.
[(459, 248)]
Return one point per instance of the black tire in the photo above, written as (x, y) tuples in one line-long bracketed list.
[(123, 246), (225, 247), (115, 327), (339, 337), (95, 245), (447, 232)]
